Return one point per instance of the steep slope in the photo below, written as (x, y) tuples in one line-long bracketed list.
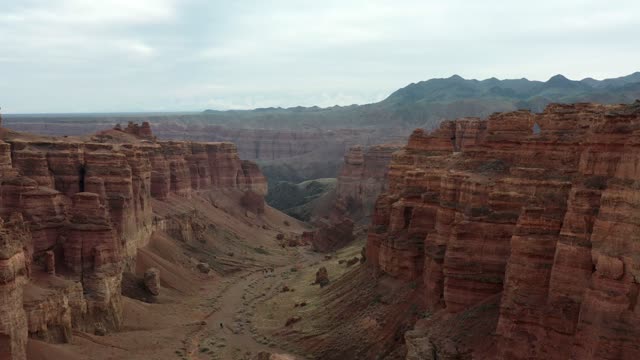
[(527, 235), (300, 200)]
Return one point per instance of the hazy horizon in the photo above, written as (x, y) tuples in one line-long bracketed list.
[(196, 111), (181, 56)]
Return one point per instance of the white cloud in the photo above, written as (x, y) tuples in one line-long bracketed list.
[(94, 13), (136, 48), (156, 54)]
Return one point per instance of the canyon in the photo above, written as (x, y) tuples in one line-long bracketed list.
[(82, 215), (277, 180), (284, 154), (510, 237)]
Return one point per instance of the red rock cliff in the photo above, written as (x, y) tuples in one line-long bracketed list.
[(13, 276), (75, 213), (362, 178), (541, 220)]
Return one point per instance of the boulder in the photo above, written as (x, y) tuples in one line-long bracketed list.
[(203, 267), (352, 261), (322, 277), (292, 320), (151, 280)]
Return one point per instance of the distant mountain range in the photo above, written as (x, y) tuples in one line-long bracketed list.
[(426, 103)]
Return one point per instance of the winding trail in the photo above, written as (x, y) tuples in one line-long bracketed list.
[(232, 308)]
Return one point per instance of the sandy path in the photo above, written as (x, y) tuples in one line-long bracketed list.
[(232, 309)]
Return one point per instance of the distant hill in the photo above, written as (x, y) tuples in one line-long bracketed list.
[(426, 103), (299, 200), (422, 104)]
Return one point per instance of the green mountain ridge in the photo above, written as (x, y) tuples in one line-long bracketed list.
[(426, 103)]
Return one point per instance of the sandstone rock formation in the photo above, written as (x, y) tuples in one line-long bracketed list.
[(14, 235), (292, 320), (542, 220), (152, 280), (362, 178), (73, 213), (322, 277), (253, 202), (142, 131), (330, 236)]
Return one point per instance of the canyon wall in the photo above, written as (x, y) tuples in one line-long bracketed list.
[(268, 144), (533, 213), (289, 155), (293, 154), (74, 214), (362, 178)]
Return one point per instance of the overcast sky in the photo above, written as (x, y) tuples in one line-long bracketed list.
[(177, 55)]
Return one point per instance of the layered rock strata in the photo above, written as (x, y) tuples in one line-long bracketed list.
[(362, 178), (330, 236), (14, 235), (537, 209), (76, 212)]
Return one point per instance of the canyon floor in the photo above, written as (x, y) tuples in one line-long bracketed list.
[(256, 286), (184, 321)]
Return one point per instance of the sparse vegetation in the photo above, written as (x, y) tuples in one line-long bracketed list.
[(425, 315), (480, 211), (596, 182), (260, 251), (414, 309), (377, 299), (503, 216), (494, 166), (380, 229)]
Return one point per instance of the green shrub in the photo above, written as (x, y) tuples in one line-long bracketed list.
[(596, 182), (261, 251)]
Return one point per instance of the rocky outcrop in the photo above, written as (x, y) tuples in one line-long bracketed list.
[(322, 277), (253, 202), (14, 264), (330, 236), (152, 281), (93, 252), (361, 180), (536, 209), (75, 214), (141, 131)]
